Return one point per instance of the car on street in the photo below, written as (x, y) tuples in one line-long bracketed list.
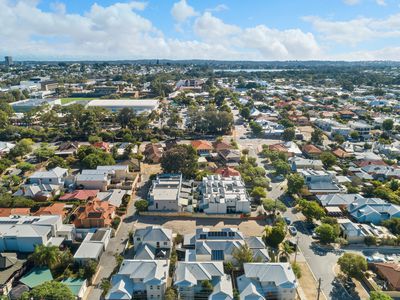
[(315, 235), (389, 257), (287, 220), (292, 230)]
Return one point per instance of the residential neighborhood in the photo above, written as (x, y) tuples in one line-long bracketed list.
[(161, 180)]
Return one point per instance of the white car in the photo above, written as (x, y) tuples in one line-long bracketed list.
[(292, 230)]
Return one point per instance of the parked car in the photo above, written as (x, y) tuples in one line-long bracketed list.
[(292, 230), (378, 259), (389, 257), (315, 235), (287, 220)]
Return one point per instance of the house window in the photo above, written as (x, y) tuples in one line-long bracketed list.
[(165, 243), (138, 239), (217, 255)]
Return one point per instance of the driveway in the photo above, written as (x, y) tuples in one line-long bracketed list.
[(117, 244)]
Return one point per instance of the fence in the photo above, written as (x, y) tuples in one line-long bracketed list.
[(200, 215)]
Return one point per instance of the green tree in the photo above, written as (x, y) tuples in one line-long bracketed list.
[(180, 159), (353, 265), (272, 205), (170, 294), (326, 233), (311, 210), (242, 255), (245, 113), (387, 125), (393, 225), (53, 290), (370, 240), (44, 152), (289, 134), (338, 138), (258, 192), (354, 135), (281, 167), (98, 159), (49, 256), (317, 136), (295, 182), (379, 296), (90, 269), (274, 235), (296, 270), (328, 159), (141, 205), (22, 148), (56, 161), (105, 285), (256, 128)]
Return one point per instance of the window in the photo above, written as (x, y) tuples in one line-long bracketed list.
[(138, 239), (217, 255), (165, 243)]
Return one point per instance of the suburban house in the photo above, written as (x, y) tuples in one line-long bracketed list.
[(221, 145), (219, 245), (93, 245), (230, 156), (289, 148), (320, 182), (341, 200), (39, 192), (11, 267), (222, 195), (190, 275), (227, 172), (373, 210), (299, 163), (67, 149), (164, 194), (153, 153), (94, 214), (363, 129), (55, 209), (5, 148), (152, 242), (55, 176), (390, 272), (103, 146), (267, 281), (23, 233), (145, 279), (203, 148), (311, 151), (93, 180), (79, 195)]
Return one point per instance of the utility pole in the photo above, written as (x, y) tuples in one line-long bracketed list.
[(319, 288)]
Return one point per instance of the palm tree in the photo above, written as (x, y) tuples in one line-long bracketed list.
[(243, 255), (48, 256), (286, 250)]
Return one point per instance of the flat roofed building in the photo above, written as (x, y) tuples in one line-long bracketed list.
[(221, 195), (139, 106), (164, 193)]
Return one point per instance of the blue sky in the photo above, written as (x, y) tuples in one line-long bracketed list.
[(201, 29)]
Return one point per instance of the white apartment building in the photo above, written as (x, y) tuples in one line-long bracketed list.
[(222, 195)]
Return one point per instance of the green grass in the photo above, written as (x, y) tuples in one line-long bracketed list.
[(68, 100)]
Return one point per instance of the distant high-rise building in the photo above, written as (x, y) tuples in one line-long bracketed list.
[(8, 61)]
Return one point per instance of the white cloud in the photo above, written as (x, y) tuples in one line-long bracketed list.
[(381, 2), (218, 8), (181, 11), (351, 2), (118, 31), (356, 30)]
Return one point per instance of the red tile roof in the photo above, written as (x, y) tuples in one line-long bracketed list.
[(201, 145), (311, 149), (81, 195), (54, 209), (6, 212), (365, 162), (227, 172), (391, 272)]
